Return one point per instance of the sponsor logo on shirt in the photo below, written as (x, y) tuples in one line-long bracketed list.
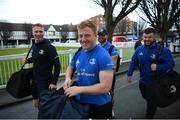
[(110, 64)]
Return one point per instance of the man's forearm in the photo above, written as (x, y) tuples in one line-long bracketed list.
[(69, 72)]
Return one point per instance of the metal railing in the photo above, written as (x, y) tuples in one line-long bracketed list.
[(12, 63)]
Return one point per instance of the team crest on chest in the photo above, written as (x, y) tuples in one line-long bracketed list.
[(153, 56), (92, 61), (41, 52)]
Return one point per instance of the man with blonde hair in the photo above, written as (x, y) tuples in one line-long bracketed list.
[(44, 58), (94, 73)]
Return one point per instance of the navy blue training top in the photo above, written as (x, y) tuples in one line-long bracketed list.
[(145, 56), (44, 58)]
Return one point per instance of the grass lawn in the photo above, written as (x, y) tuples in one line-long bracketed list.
[(7, 67), (13, 51)]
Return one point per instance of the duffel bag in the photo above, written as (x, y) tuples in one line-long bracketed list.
[(56, 105), (20, 83), (166, 89)]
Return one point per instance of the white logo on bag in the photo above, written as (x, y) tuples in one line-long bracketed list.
[(172, 89)]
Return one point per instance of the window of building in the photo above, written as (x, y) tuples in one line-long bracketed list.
[(51, 33)]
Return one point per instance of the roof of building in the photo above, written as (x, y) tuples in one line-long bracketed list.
[(28, 26)]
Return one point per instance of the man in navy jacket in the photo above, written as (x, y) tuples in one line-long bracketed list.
[(46, 65), (144, 56)]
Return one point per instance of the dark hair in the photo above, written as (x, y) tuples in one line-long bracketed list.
[(102, 31), (149, 30)]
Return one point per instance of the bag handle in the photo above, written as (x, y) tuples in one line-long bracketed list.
[(158, 54), (26, 57)]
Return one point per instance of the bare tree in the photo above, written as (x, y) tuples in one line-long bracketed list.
[(64, 33), (5, 32), (121, 27), (125, 7), (177, 24), (28, 31), (161, 14), (141, 25)]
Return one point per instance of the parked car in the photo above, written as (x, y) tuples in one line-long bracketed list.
[(132, 39), (120, 39)]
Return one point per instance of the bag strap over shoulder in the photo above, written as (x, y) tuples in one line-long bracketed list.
[(26, 57), (79, 49), (159, 52), (110, 49)]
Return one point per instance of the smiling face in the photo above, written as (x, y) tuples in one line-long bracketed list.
[(102, 39), (87, 38), (149, 38), (38, 33), (87, 35)]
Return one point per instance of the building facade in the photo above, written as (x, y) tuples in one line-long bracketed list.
[(21, 33)]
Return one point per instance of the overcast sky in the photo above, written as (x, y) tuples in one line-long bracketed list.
[(56, 12)]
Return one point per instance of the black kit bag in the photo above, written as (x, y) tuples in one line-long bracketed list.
[(56, 105), (20, 83), (166, 87)]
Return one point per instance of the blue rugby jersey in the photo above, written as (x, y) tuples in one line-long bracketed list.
[(88, 65)]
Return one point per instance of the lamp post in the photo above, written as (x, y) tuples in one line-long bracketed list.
[(60, 34)]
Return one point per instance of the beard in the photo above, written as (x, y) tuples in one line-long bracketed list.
[(102, 41), (149, 43)]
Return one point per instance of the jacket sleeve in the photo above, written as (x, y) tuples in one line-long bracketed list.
[(34, 91), (56, 63), (133, 64), (29, 60)]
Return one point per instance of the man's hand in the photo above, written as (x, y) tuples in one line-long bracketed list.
[(72, 91), (153, 67), (24, 60), (52, 87), (129, 78), (35, 103), (67, 83)]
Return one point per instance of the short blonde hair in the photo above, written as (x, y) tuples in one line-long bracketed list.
[(89, 24), (38, 25)]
